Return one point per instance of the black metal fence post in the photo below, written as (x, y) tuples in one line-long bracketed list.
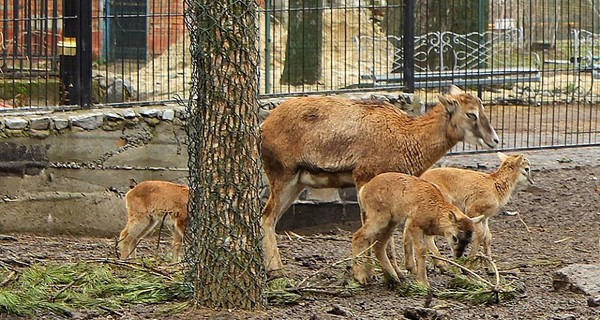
[(84, 47), (76, 67), (408, 43)]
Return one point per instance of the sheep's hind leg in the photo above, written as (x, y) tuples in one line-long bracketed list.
[(283, 193)]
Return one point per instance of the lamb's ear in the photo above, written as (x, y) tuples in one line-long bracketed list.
[(448, 102), (452, 216), (502, 156), (477, 219), (454, 90)]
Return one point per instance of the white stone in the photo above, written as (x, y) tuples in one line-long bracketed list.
[(168, 115), (60, 123), (16, 123), (88, 121)]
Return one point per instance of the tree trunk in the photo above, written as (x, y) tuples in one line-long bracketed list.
[(304, 43), (223, 251)]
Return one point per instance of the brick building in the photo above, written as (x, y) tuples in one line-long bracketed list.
[(121, 29)]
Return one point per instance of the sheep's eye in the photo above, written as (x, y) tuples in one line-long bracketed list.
[(472, 116)]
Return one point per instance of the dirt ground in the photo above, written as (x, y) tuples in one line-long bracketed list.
[(560, 226)]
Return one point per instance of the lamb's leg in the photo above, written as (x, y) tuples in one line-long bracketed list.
[(382, 238), (418, 243), (178, 232), (409, 255), (283, 192), (479, 236), (134, 231), (361, 240), (487, 238), (430, 241)]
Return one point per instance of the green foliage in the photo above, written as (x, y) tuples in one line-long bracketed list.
[(62, 288), (466, 289)]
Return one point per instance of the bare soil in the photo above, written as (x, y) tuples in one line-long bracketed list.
[(560, 226)]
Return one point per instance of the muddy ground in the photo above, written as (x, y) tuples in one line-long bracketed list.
[(560, 226)]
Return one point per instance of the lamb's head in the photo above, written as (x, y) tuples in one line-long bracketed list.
[(518, 163), (468, 118), (460, 231)]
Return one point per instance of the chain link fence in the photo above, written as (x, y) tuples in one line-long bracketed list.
[(224, 255)]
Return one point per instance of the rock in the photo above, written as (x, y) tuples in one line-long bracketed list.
[(417, 313), (111, 116), (565, 317), (151, 113), (16, 123), (168, 115), (88, 121), (60, 124), (579, 278), (340, 311), (39, 134), (40, 123), (594, 301), (128, 114), (119, 91)]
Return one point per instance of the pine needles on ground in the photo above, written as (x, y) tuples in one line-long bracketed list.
[(63, 288)]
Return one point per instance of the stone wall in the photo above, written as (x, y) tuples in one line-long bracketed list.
[(67, 172)]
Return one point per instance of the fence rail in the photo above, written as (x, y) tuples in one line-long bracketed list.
[(140, 56)]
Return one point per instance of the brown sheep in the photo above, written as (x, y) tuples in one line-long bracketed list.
[(329, 142), (479, 193), (392, 198), (149, 203)]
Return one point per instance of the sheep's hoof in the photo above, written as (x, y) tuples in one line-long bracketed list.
[(392, 281)]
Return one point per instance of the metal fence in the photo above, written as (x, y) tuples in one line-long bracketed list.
[(535, 63)]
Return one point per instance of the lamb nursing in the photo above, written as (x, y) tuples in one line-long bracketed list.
[(331, 142)]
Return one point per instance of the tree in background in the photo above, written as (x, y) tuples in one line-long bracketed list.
[(304, 43), (223, 251)]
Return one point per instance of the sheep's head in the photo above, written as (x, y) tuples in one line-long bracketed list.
[(460, 234), (467, 116), (519, 163)]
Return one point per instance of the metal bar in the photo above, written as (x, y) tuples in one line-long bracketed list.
[(84, 49), (408, 43)]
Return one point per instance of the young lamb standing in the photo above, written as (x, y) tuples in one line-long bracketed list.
[(329, 142), (148, 205), (391, 198), (479, 193)]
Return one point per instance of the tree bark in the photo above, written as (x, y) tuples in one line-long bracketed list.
[(223, 250)]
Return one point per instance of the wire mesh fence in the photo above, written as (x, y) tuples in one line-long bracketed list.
[(223, 254), (535, 62)]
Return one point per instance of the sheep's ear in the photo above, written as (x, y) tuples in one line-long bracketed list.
[(454, 90), (502, 156), (477, 219), (450, 104)]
